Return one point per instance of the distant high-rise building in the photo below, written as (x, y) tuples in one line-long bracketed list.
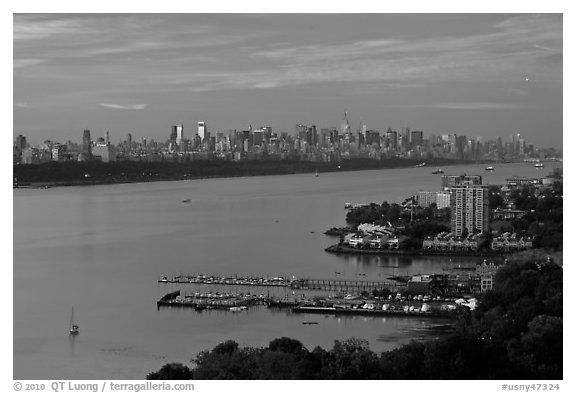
[(173, 135), (392, 138), (312, 135), (179, 134), (202, 130), (20, 142), (416, 138), (129, 141), (107, 137), (345, 126), (258, 137), (86, 145), (469, 210), (372, 137)]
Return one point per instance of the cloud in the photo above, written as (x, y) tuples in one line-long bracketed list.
[(134, 107), (21, 105), (21, 63), (37, 27), (473, 105), (171, 51)]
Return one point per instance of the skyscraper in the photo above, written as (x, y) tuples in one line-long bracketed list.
[(469, 210), (202, 130), (173, 135), (20, 143), (179, 134), (86, 145), (392, 137), (416, 138)]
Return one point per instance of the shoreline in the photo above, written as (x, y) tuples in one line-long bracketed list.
[(341, 249), (41, 176)]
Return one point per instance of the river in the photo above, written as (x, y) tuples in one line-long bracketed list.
[(101, 250)]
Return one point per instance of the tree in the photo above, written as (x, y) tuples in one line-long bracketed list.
[(171, 371)]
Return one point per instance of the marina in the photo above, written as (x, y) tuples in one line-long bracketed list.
[(127, 250), (392, 306)]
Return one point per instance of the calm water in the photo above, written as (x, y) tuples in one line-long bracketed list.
[(101, 249)]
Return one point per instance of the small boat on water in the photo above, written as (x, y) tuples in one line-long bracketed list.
[(316, 174), (186, 200), (489, 168), (74, 329), (437, 172), (539, 165), (309, 323)]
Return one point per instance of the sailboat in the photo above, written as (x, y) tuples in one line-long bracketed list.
[(74, 329)]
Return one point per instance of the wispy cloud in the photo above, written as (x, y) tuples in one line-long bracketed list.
[(134, 107), (473, 105), (37, 27), (168, 50), (21, 63), (21, 105)]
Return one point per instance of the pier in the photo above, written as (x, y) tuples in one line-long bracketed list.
[(340, 285)]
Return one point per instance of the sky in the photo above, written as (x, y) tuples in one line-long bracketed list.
[(484, 75)]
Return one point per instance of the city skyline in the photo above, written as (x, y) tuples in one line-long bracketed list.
[(482, 75)]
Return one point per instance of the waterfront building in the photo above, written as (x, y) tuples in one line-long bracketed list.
[(511, 242), (426, 198), (449, 181), (450, 242), (469, 209), (520, 181), (442, 200)]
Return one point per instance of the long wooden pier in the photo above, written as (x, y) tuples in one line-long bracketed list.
[(319, 284), (345, 285)]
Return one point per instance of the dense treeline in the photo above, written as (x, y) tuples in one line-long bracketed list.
[(70, 173), (545, 218), (516, 333)]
